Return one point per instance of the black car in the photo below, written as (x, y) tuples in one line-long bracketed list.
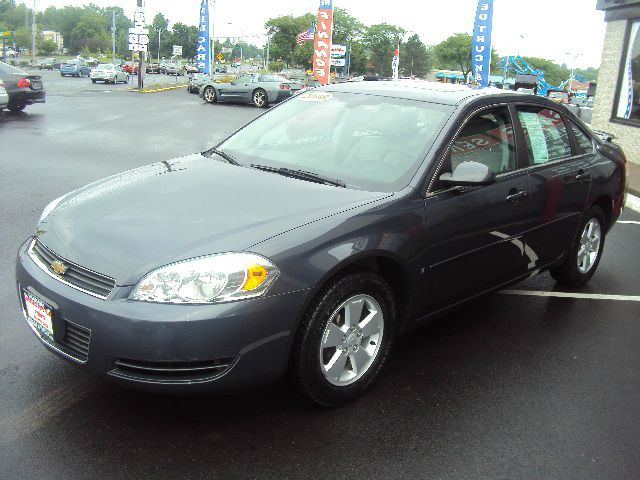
[(23, 89), (310, 239)]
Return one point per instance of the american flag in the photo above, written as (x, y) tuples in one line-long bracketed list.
[(306, 35)]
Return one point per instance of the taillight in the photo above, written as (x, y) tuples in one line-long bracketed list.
[(284, 86), (24, 83)]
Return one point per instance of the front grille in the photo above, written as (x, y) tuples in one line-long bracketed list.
[(76, 276), (170, 372), (76, 341)]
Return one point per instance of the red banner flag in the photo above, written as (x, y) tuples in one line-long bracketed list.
[(322, 42)]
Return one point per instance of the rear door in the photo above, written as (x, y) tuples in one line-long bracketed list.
[(560, 168), (475, 235)]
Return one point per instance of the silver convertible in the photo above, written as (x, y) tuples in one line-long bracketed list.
[(259, 89)]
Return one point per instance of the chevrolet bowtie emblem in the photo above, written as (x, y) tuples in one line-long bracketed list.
[(59, 268)]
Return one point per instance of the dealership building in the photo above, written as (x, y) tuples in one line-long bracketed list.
[(617, 103)]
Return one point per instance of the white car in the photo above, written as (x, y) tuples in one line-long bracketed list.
[(108, 73), (4, 97)]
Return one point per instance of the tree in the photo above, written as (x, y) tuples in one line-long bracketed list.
[(414, 58), (346, 28), (283, 31), (553, 73), (47, 47), (6, 5), (454, 53), (381, 40)]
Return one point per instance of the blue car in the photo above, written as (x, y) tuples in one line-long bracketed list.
[(75, 68)]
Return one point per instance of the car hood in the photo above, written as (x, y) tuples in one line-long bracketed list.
[(129, 224)]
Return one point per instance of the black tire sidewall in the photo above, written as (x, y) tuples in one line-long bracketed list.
[(306, 360)]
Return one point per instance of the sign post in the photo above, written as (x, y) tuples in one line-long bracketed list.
[(139, 39), (177, 50)]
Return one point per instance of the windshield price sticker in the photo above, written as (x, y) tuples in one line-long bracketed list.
[(316, 97)]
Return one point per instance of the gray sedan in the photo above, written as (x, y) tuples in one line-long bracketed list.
[(108, 73), (261, 90), (4, 98)]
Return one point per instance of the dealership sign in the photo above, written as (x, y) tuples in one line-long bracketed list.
[(203, 51), (481, 47), (338, 51), (138, 35), (177, 50), (322, 42)]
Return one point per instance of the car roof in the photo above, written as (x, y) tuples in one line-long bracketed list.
[(434, 92)]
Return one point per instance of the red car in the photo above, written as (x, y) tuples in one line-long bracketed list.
[(130, 67)]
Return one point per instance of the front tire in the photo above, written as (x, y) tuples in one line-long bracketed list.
[(260, 98), (210, 95), (344, 339), (584, 257)]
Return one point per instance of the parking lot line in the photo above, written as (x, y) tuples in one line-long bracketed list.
[(628, 222), (633, 203), (582, 296)]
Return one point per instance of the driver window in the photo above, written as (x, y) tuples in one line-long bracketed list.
[(486, 138)]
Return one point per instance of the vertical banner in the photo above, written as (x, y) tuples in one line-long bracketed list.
[(322, 42), (481, 47), (395, 63), (203, 52)]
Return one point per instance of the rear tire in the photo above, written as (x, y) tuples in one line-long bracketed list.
[(584, 256), (210, 95), (260, 98), (17, 108), (344, 339)]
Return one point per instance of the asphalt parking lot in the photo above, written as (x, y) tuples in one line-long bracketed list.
[(537, 382)]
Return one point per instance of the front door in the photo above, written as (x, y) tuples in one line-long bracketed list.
[(475, 235)]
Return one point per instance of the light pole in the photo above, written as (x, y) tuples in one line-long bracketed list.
[(159, 32), (573, 71), (33, 34)]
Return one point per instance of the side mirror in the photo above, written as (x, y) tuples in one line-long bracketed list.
[(469, 174)]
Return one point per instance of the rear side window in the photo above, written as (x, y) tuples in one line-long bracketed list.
[(545, 134), (585, 144)]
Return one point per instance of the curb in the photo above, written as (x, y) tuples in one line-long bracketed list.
[(155, 90), (633, 203)]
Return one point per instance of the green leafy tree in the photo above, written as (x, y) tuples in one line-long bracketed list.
[(47, 47), (414, 58), (553, 73), (90, 32), (454, 53), (283, 31), (381, 40)]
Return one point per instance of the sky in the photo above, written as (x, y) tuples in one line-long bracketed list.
[(565, 31)]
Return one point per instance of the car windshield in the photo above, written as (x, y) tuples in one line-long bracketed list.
[(369, 142), (5, 68), (104, 66), (272, 78)]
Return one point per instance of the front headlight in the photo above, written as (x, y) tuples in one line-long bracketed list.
[(49, 208), (211, 279)]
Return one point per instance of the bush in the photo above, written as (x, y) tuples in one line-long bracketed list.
[(23, 63), (276, 66)]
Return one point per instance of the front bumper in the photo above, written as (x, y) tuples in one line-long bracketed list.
[(163, 347)]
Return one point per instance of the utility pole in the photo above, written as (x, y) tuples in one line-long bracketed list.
[(113, 35), (159, 32), (266, 67), (33, 34), (212, 39)]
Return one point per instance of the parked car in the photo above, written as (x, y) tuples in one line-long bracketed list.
[(131, 68), (379, 206), (152, 68), (75, 68), (196, 81), (259, 89), (191, 69), (558, 97), (106, 72), (47, 64), (57, 64), (174, 69), (4, 97), (220, 69), (163, 66), (23, 89)]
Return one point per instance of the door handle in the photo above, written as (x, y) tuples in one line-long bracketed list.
[(516, 196), (583, 177)]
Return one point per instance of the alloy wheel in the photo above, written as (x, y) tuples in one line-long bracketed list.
[(351, 340), (589, 245), (259, 98)]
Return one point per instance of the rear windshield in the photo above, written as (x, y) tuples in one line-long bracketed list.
[(5, 68), (105, 66), (272, 78)]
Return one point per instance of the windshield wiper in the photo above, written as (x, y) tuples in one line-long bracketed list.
[(222, 154), (302, 175)]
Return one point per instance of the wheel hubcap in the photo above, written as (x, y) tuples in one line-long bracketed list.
[(259, 98), (351, 340), (209, 95), (589, 245)]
